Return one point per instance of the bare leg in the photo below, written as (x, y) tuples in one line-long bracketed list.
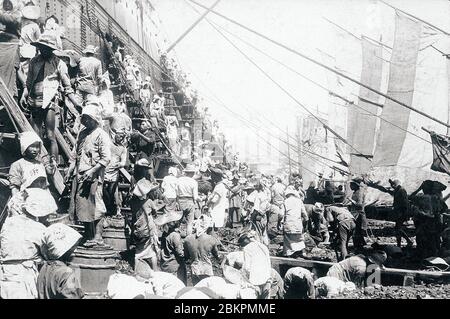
[(36, 121), (50, 124), (99, 230)]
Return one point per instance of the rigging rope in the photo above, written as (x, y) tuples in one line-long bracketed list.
[(296, 52)]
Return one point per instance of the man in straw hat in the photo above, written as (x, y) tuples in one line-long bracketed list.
[(187, 196), (29, 33), (92, 155), (354, 269), (144, 232), (172, 250), (89, 76), (20, 239), (56, 279), (47, 73)]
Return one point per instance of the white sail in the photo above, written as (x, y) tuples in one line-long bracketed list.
[(418, 77)]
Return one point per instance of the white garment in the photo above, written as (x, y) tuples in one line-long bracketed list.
[(257, 266), (166, 285), (20, 239), (169, 186), (106, 100), (218, 209)]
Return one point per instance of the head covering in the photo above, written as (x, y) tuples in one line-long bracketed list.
[(122, 286), (89, 49), (230, 268), (196, 293), (395, 183), (27, 139), (47, 39), (143, 188), (378, 257), (318, 208), (39, 203), (168, 217), (59, 239), (190, 168), (73, 56), (93, 111), (173, 171), (291, 191), (187, 124), (143, 162), (436, 262), (31, 12)]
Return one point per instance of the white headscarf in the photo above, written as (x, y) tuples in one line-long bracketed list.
[(27, 139), (39, 202)]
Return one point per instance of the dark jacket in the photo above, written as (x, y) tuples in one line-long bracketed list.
[(401, 203)]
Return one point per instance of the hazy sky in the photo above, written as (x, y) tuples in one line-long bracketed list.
[(219, 70)]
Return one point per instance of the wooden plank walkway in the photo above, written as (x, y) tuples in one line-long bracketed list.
[(24, 126)]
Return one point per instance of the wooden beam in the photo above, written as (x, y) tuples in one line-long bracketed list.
[(63, 145), (125, 174), (10, 136), (24, 126)]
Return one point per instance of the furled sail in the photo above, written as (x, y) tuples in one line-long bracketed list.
[(362, 119), (401, 87), (418, 77)]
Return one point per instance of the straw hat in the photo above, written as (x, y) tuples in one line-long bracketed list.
[(90, 49), (58, 239), (190, 168), (436, 262), (143, 162), (93, 111), (73, 56), (31, 12), (143, 188), (47, 39), (168, 217)]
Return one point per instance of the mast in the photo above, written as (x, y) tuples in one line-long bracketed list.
[(185, 33), (289, 154), (448, 111), (299, 145)]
